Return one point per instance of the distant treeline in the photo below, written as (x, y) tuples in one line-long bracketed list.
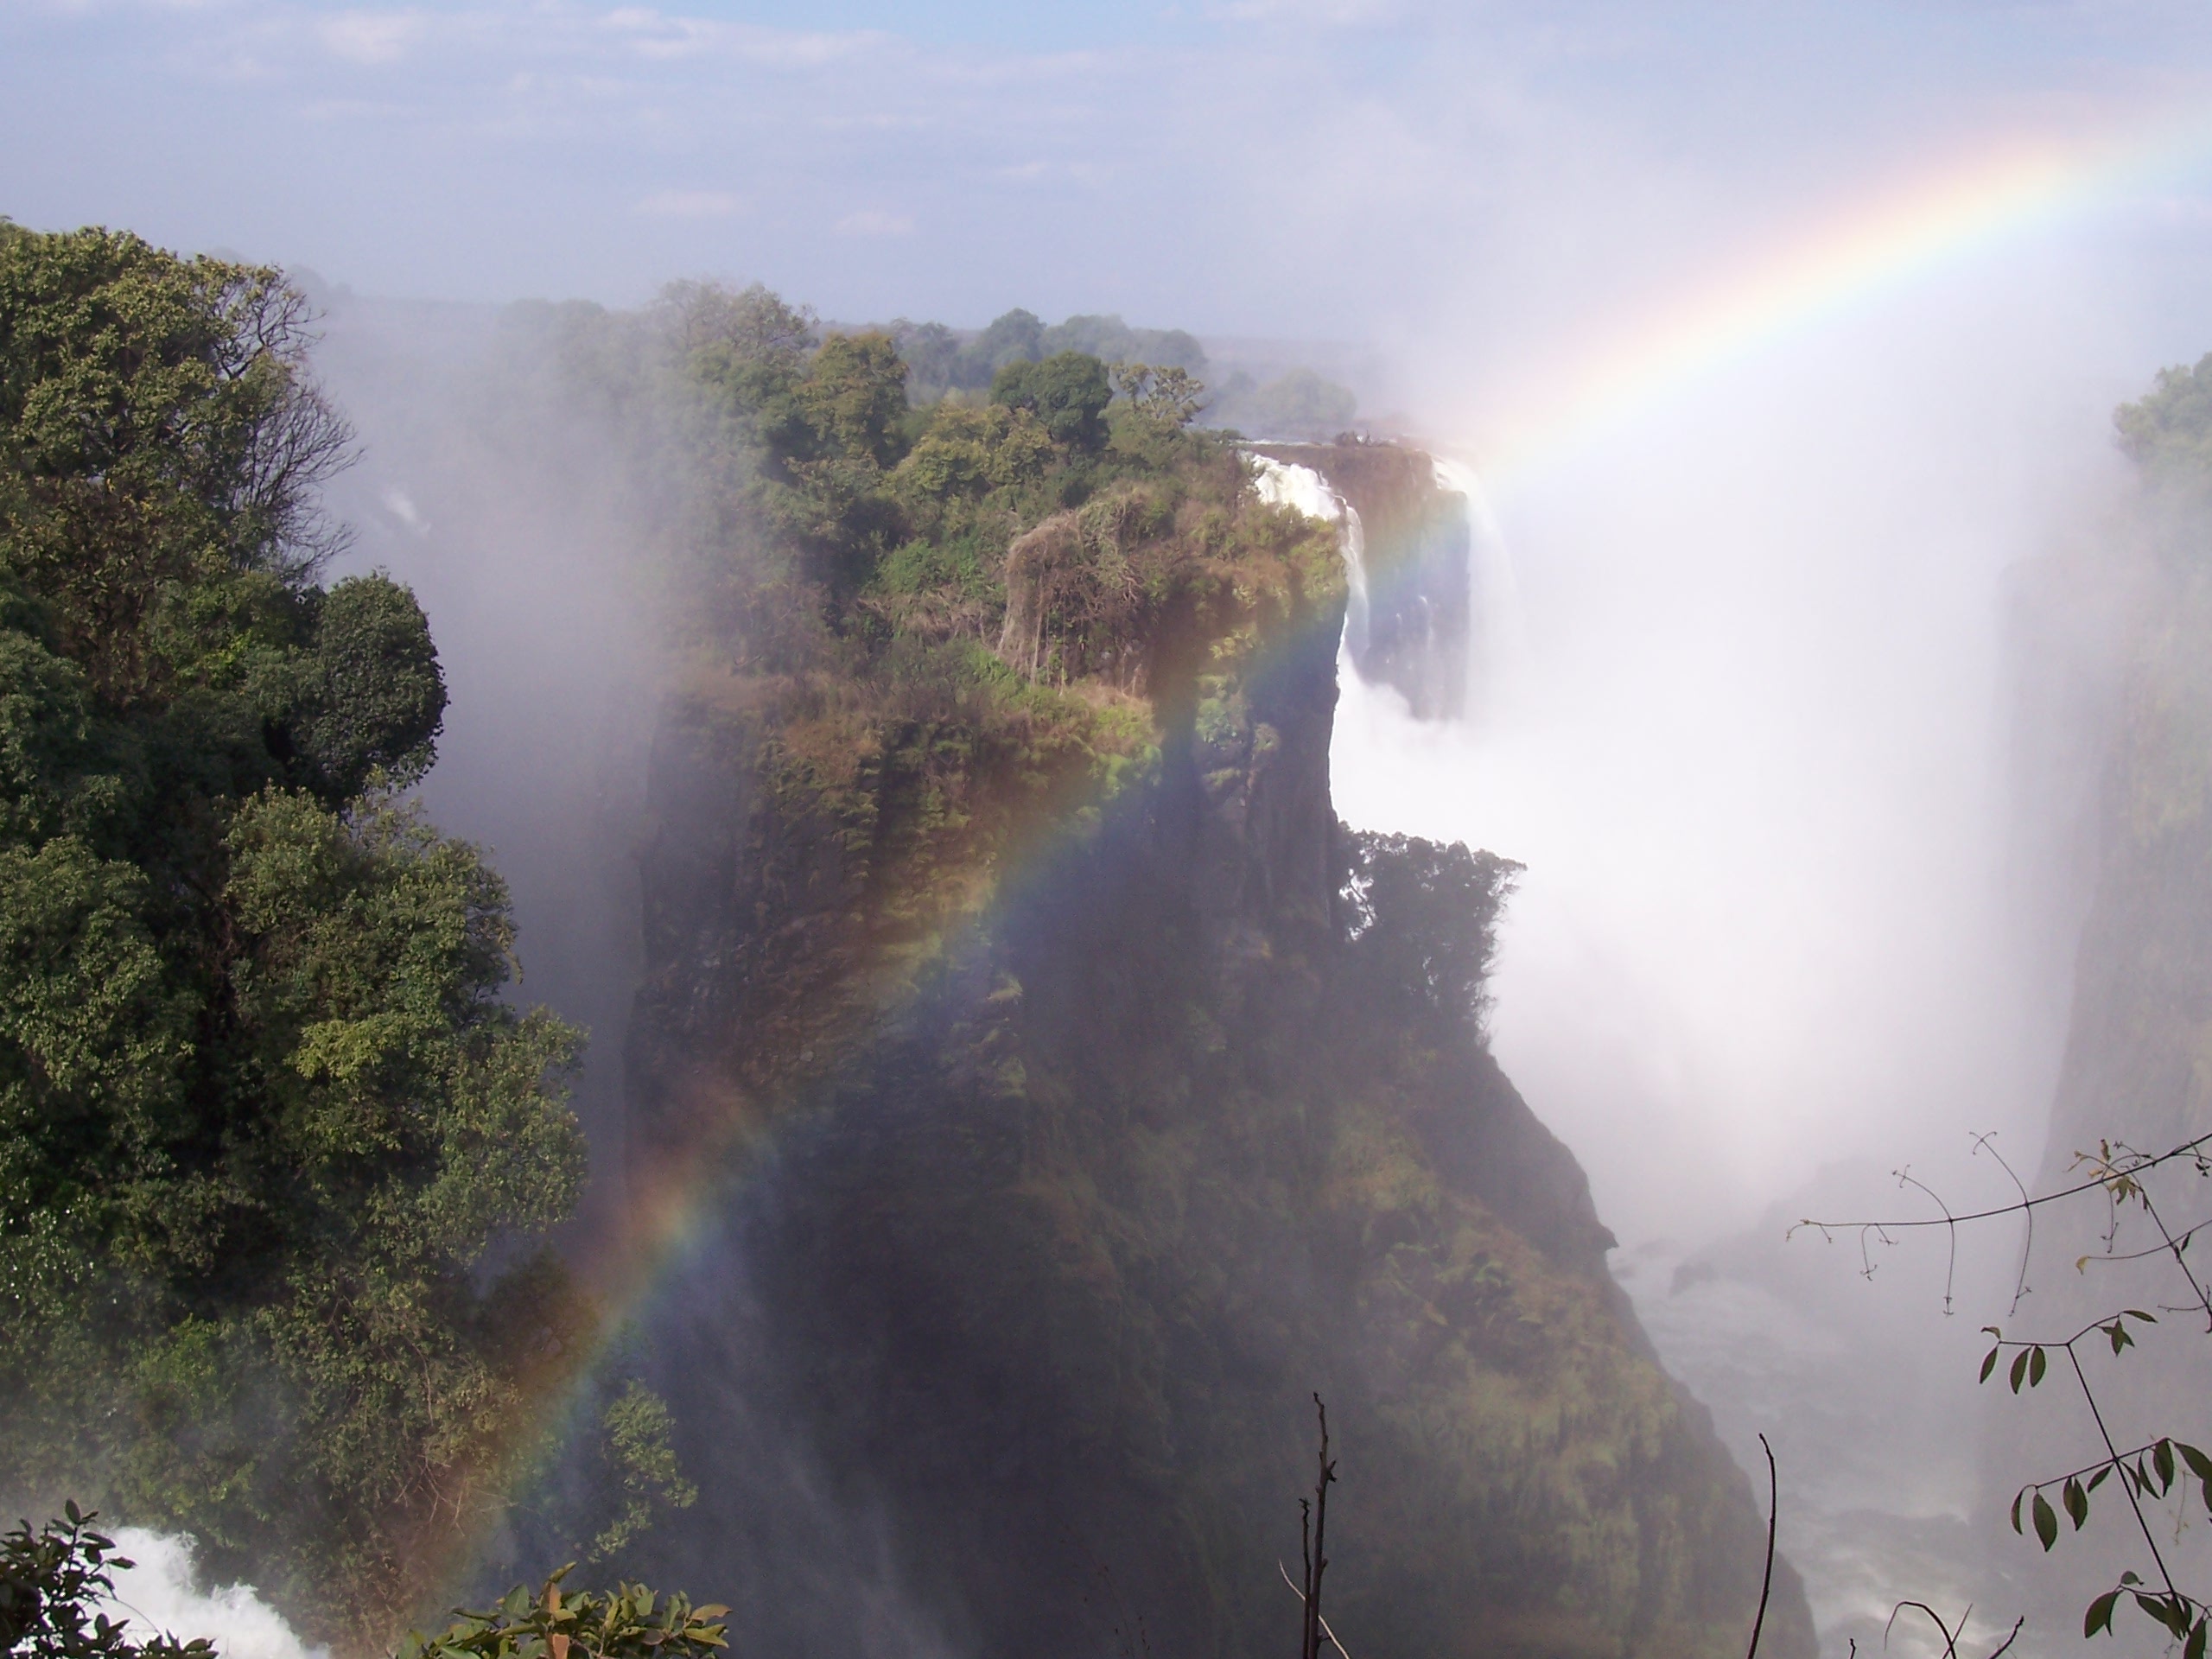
[(940, 360)]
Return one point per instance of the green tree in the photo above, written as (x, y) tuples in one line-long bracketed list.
[(1068, 392), (1016, 337), (1422, 916), (1109, 338), (264, 1111), (854, 395), (930, 351)]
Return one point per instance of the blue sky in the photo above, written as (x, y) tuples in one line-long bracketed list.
[(1361, 169)]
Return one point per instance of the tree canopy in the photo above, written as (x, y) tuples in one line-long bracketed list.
[(264, 1109)]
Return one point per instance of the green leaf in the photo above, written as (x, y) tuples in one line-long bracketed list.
[(1989, 1363), (2046, 1522), (2162, 1459), (2035, 1367), (2100, 1478), (2199, 1465), (2076, 1502), (2170, 1611), (2099, 1618), (2017, 1498), (2194, 1646), (2019, 1369)]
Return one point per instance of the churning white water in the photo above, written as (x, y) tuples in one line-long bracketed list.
[(159, 1594)]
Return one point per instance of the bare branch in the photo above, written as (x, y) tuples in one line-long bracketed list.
[(1300, 1594), (2187, 1149), (1773, 1513), (1950, 1636), (1988, 1143)]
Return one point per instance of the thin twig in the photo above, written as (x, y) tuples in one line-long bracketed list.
[(2180, 1241), (1773, 1513), (1325, 1631), (1986, 1143), (2127, 1486), (1951, 1268), (2177, 1247), (2119, 1462), (1950, 1638), (2188, 1148)]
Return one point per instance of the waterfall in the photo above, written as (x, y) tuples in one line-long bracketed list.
[(1285, 485), (1498, 645), (1493, 649)]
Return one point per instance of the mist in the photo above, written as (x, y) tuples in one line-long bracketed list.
[(1758, 744), (1773, 695)]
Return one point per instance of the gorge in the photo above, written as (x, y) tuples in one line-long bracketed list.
[(1077, 1196)]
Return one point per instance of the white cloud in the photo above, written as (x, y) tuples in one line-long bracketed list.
[(656, 36), (372, 37), (689, 204), (1342, 14), (871, 222), (401, 505)]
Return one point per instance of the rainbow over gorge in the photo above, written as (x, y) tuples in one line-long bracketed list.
[(1015, 1098), (1074, 1196)]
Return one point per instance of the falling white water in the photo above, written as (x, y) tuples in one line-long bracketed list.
[(1284, 484), (1388, 770), (158, 1595), (1497, 653)]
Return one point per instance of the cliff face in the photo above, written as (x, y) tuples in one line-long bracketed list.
[(2135, 1066), (1098, 1149), (2137, 1070)]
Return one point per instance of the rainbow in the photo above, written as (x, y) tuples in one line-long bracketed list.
[(1881, 243), (1884, 242)]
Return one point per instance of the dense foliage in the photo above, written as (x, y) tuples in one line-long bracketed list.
[(1421, 919), (948, 627), (2168, 432), (939, 360), (264, 1113), (630, 1622)]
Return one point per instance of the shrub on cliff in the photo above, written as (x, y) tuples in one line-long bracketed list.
[(1421, 919)]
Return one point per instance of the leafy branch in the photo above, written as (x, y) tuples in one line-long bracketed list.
[(2149, 1471), (630, 1622), (52, 1580)]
